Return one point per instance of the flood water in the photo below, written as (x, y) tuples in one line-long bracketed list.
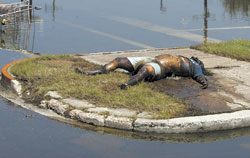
[(84, 26)]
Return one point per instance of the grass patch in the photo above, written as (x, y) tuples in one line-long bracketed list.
[(237, 49), (56, 73)]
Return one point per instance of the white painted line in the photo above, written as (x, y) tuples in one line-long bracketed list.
[(109, 36), (162, 29), (221, 28)]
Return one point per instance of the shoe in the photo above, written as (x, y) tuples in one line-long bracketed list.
[(123, 86), (101, 70), (203, 81), (94, 72)]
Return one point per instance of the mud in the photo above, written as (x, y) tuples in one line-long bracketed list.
[(215, 99)]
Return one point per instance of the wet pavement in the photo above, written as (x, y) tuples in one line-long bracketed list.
[(211, 100), (191, 93)]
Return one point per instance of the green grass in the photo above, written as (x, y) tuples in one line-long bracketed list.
[(237, 49), (56, 73)]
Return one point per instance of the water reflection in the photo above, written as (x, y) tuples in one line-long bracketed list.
[(174, 138), (162, 7), (247, 146), (52, 8), (16, 33), (237, 6), (13, 35), (206, 14), (108, 146)]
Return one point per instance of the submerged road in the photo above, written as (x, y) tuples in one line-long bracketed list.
[(188, 34)]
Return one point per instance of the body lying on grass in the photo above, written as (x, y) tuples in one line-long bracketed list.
[(57, 73), (153, 69)]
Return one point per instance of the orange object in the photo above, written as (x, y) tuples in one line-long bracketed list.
[(6, 76)]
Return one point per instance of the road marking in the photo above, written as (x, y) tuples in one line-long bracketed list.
[(221, 28), (162, 29), (109, 35)]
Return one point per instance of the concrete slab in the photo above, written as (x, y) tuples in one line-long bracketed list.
[(206, 123), (90, 118), (78, 103), (53, 94), (228, 89), (119, 123), (115, 112)]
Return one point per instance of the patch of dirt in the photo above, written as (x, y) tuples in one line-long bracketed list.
[(210, 100)]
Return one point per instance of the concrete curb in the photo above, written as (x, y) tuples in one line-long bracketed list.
[(206, 123), (8, 80)]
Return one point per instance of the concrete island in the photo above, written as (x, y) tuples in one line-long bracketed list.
[(226, 99)]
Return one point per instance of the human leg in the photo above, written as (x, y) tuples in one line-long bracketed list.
[(145, 72), (119, 62)]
